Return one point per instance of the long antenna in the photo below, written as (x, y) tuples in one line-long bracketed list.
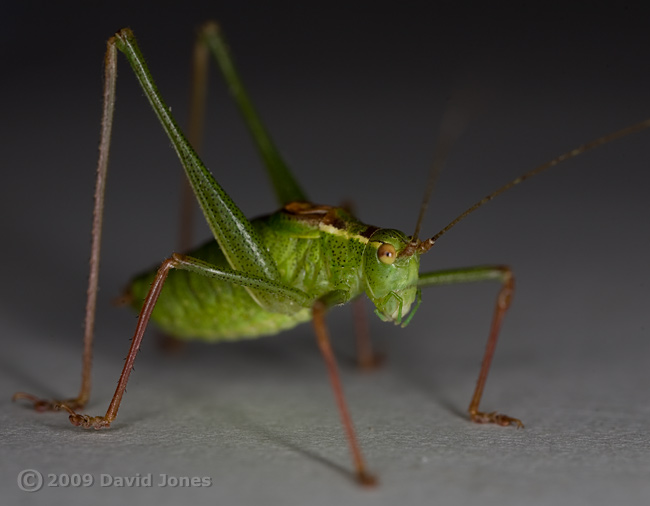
[(450, 129), (426, 245), (451, 126)]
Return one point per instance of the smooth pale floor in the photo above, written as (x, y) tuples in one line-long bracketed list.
[(258, 419)]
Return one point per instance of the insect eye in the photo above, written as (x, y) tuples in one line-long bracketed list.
[(386, 254)]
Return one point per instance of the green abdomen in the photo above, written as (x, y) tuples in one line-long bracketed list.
[(192, 306), (196, 307)]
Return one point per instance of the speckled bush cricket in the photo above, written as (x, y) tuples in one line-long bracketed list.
[(262, 276)]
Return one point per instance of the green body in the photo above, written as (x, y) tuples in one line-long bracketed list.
[(316, 249), (263, 276)]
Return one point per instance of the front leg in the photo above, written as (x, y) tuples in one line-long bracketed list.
[(484, 273)]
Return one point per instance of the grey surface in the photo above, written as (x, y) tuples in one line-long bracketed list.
[(353, 96)]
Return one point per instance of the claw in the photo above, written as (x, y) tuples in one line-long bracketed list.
[(497, 418)]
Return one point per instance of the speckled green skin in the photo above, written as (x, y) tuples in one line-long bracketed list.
[(192, 306), (317, 252)]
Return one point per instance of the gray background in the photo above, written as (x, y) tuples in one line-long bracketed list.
[(353, 96)]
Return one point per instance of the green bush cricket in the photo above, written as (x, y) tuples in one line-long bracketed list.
[(262, 276)]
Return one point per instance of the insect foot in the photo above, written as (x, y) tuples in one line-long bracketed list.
[(85, 421), (494, 417), (366, 479), (43, 405)]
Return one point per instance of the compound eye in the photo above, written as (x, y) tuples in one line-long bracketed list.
[(386, 254)]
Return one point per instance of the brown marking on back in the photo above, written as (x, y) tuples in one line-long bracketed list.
[(332, 219), (306, 208), (315, 214), (337, 218), (367, 233)]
